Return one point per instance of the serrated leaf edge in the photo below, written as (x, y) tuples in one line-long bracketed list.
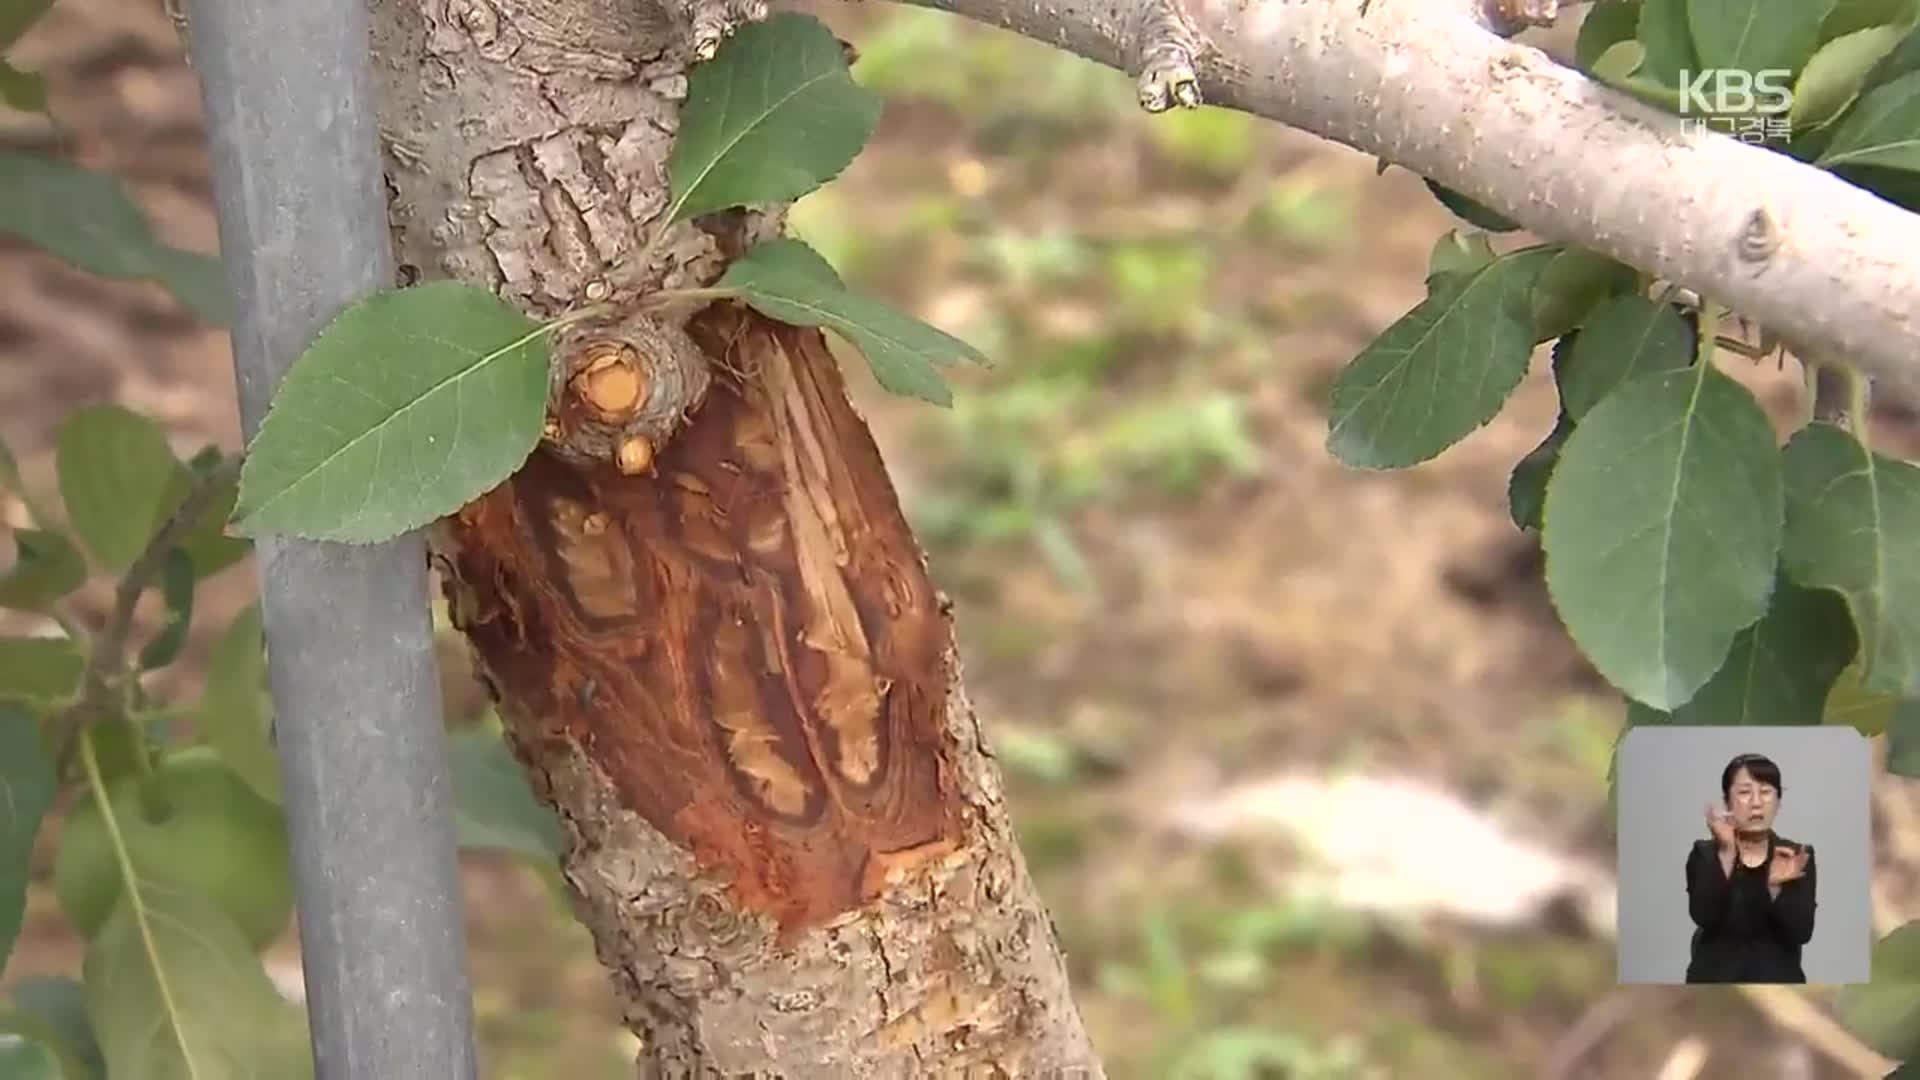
[(693, 185), (241, 520)]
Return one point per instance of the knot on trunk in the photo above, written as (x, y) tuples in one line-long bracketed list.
[(622, 386)]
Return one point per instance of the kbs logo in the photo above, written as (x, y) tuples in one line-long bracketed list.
[(1732, 92)]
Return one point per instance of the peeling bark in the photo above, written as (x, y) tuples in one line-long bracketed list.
[(708, 625)]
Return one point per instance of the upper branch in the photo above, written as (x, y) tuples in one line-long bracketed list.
[(1426, 84)]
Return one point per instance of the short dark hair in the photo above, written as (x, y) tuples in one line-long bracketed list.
[(1758, 766)]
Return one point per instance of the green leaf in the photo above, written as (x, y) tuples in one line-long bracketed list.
[(194, 824), (1850, 16), (1833, 78), (1756, 35), (86, 219), (1527, 486), (787, 280), (59, 1004), (197, 280), (493, 807), (1605, 26), (1886, 1011), (1624, 337), (1904, 58), (27, 787), (771, 117), (1903, 739), (119, 479), (1470, 211), (39, 670), (27, 1052), (1662, 530), (1780, 669), (1882, 129), (176, 591), (1853, 705), (1666, 41), (1618, 67), (1457, 252), (234, 707), (1569, 288), (408, 405), (46, 567), (1851, 519), (1442, 371), (175, 991), (18, 16), (22, 90)]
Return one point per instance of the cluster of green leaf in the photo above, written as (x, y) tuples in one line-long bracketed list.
[(172, 861), (1853, 66), (1709, 573)]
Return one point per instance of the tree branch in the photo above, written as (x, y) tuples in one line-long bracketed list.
[(1425, 84), (107, 661)]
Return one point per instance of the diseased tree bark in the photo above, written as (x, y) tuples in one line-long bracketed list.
[(708, 625)]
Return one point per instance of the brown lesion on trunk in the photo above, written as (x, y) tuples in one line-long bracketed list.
[(745, 641)]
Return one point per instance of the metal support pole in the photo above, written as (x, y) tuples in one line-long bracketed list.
[(303, 228)]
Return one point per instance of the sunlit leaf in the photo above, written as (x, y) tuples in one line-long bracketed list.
[(1836, 73), (788, 281), (233, 713), (1882, 129), (38, 669), (1662, 530), (409, 404), (176, 993), (119, 480), (23, 90), (772, 116), (1849, 703)]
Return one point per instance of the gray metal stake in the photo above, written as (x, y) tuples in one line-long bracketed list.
[(303, 229)]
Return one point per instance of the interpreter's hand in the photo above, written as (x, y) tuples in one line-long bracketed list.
[(1720, 825), (1788, 864)]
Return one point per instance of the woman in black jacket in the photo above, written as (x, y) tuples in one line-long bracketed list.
[(1749, 889)]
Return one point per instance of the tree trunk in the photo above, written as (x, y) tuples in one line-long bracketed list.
[(720, 658)]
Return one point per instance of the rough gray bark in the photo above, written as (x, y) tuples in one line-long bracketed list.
[(802, 865)]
